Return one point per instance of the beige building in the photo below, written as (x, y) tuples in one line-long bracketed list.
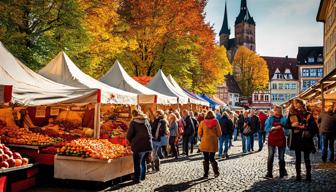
[(327, 15)]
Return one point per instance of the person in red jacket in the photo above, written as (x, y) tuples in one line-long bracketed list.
[(262, 133)]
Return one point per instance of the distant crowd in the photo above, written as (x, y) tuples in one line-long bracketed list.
[(300, 129)]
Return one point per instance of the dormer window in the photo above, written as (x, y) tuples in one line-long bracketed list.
[(311, 60), (288, 74)]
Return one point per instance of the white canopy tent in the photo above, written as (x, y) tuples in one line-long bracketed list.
[(182, 92), (118, 77), (62, 70), (161, 84), (30, 88)]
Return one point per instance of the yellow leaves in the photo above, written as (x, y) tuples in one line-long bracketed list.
[(251, 71)]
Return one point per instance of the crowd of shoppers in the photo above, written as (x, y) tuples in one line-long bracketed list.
[(214, 131)]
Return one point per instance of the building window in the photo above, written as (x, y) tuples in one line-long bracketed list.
[(320, 72), (266, 98), (274, 97), (305, 72), (311, 59), (274, 86), (313, 72), (287, 86), (293, 85), (320, 58), (308, 83), (255, 97), (281, 97), (293, 95), (280, 86)]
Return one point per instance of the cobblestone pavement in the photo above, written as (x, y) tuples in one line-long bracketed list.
[(241, 172)]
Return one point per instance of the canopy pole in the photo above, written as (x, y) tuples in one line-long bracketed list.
[(323, 99), (97, 120)]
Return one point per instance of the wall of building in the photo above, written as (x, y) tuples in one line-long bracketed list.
[(283, 90), (330, 38), (309, 75)]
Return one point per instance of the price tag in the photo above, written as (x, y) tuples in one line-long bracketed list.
[(40, 112), (54, 111)]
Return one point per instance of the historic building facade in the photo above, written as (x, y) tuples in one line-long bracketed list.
[(310, 63), (229, 91), (327, 15), (244, 31), (283, 75)]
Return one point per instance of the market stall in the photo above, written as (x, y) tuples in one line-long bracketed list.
[(192, 100), (213, 104), (161, 84), (148, 99)]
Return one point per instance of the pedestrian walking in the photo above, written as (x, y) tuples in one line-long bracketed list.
[(159, 131), (275, 128), (189, 131), (327, 126), (255, 128), (301, 137), (173, 130), (245, 130), (226, 125), (140, 137), (209, 131), (193, 139), (262, 133)]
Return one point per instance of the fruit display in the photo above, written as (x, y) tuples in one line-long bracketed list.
[(94, 148), (10, 159), (2, 123), (23, 136)]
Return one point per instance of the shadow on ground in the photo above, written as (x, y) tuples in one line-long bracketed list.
[(181, 186)]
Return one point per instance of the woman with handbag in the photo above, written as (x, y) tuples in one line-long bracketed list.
[(246, 132), (209, 131), (301, 138), (173, 129)]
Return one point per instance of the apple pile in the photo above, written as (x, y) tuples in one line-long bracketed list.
[(95, 148), (10, 159), (23, 136)]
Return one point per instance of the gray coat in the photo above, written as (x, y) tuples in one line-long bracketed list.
[(327, 123)]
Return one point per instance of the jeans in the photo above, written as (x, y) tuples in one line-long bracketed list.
[(156, 150), (328, 145), (224, 139), (270, 160), (251, 142), (298, 163), (139, 160), (235, 134), (173, 145), (185, 143), (209, 156), (260, 140), (244, 142)]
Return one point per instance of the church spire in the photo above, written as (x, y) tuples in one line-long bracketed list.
[(225, 27), (244, 15)]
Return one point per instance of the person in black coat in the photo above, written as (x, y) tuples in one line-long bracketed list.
[(327, 121), (189, 131), (255, 127), (140, 137), (226, 125), (194, 137), (303, 128)]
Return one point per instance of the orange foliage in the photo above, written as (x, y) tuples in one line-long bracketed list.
[(144, 80)]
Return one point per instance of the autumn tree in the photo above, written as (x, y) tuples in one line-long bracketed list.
[(35, 30), (251, 71)]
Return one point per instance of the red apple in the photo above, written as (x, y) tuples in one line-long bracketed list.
[(25, 161), (18, 162), (9, 153), (1, 146), (11, 162), (4, 164), (17, 155), (1, 151), (5, 157)]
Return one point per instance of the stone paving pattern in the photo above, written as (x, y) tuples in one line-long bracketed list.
[(241, 172)]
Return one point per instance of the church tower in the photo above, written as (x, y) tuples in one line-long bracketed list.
[(245, 28), (224, 34)]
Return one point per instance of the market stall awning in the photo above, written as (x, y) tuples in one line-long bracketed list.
[(195, 96), (30, 88), (161, 84), (118, 77), (181, 92), (219, 101), (212, 103), (62, 70)]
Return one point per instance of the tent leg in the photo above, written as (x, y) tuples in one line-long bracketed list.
[(323, 100), (97, 121)]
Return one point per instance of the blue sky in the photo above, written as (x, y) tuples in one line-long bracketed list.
[(281, 25)]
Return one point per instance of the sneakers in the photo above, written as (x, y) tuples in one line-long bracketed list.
[(268, 176)]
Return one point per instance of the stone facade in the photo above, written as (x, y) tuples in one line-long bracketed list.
[(327, 15)]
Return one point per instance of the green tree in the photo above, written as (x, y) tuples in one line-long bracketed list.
[(35, 30)]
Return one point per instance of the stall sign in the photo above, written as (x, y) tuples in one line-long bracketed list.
[(40, 112)]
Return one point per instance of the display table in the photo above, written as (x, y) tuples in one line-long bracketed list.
[(18, 178), (34, 152), (89, 169)]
